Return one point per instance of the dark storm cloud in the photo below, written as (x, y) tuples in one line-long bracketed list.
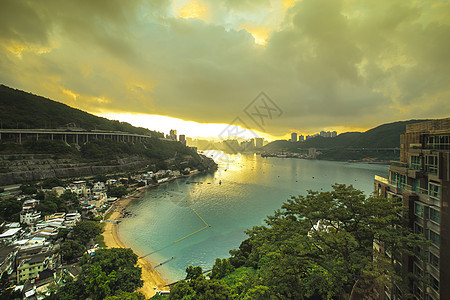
[(326, 62)]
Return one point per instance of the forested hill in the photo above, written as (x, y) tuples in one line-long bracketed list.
[(383, 136), (19, 109)]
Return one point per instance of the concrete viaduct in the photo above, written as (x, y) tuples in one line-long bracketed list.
[(68, 136)]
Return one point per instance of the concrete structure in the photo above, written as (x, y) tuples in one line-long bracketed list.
[(29, 216), (421, 182), (11, 235), (54, 216), (247, 145), (72, 219), (328, 134), (182, 139), (29, 267), (301, 138), (59, 190), (293, 137), (172, 135), (259, 142), (31, 203), (7, 259), (69, 136)]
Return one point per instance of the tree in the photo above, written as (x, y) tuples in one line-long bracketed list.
[(221, 268), (198, 287), (98, 282), (28, 189), (109, 274), (182, 290), (10, 209), (70, 250), (121, 295), (70, 200), (127, 276), (117, 191), (62, 233), (318, 246), (84, 231), (193, 272), (321, 244), (49, 183), (51, 204)]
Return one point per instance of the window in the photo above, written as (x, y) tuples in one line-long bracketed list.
[(418, 228), (440, 142), (434, 283), (417, 270), (398, 179), (432, 164), (418, 209), (434, 260), (435, 215), (415, 162), (434, 238), (434, 190)]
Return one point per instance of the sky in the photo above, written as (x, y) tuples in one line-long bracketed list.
[(272, 67)]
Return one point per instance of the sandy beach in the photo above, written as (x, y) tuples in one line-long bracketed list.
[(150, 277)]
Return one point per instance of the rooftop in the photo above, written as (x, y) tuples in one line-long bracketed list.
[(10, 232)]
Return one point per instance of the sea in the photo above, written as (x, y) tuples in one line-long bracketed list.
[(194, 220)]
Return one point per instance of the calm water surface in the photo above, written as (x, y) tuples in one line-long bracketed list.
[(238, 196)]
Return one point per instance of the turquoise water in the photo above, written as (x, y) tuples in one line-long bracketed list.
[(251, 187)]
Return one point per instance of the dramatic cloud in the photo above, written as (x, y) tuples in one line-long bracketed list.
[(326, 63)]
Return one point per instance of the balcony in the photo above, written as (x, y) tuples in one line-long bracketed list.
[(398, 186), (381, 179), (399, 164)]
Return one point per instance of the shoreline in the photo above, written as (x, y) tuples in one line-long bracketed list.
[(150, 276)]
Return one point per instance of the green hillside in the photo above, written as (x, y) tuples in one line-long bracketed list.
[(19, 109), (35, 159), (383, 136)]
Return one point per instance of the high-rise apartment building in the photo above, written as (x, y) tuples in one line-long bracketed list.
[(294, 137), (173, 134), (259, 142), (182, 139), (421, 182)]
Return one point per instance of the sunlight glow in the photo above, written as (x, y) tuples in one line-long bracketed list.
[(194, 9), (260, 34), (189, 128)]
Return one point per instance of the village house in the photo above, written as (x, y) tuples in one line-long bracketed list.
[(7, 259), (59, 190), (11, 235), (29, 216)]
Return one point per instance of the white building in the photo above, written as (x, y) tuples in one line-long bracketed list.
[(29, 216), (11, 235), (72, 219), (59, 190)]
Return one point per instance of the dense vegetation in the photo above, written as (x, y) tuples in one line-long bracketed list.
[(19, 109), (109, 274), (100, 149), (318, 246), (383, 136), (75, 242)]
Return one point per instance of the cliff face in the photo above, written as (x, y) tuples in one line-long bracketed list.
[(19, 168)]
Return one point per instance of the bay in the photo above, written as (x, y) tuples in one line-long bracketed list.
[(194, 220)]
